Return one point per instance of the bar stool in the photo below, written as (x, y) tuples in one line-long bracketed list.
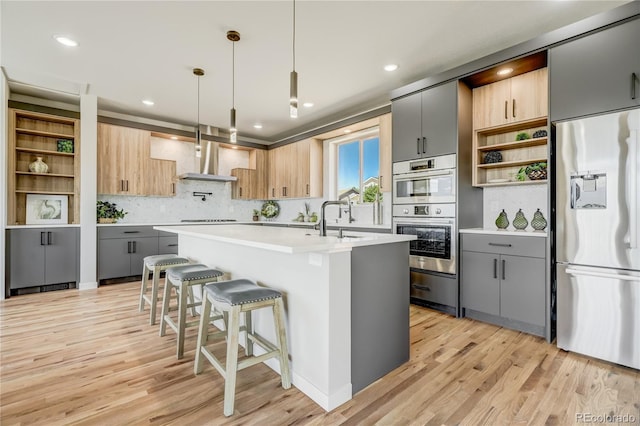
[(181, 279), (231, 298), (156, 264)]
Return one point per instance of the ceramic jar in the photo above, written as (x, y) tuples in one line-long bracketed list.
[(520, 222), (502, 221), (539, 223), (38, 166)]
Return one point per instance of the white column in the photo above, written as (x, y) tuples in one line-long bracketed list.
[(88, 188), (4, 99)]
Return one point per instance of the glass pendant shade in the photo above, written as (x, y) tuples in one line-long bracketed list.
[(293, 97), (233, 131)]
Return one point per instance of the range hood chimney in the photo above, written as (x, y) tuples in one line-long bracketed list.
[(208, 169)]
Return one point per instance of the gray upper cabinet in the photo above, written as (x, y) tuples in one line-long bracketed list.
[(42, 256), (596, 73), (425, 123)]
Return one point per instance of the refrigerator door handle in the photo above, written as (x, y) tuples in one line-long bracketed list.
[(572, 271), (575, 193), (634, 141)]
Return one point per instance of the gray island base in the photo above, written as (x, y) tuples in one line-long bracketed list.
[(346, 299)]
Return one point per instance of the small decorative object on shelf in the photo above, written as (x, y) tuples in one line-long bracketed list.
[(522, 136), (492, 157), (520, 222), (256, 215), (270, 209), (540, 134), (108, 212), (502, 221), (539, 223), (534, 171), (64, 145), (38, 166)]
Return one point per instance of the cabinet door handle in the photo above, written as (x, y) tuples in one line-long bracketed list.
[(173, 188), (49, 238), (307, 189), (131, 232), (240, 191), (128, 246), (418, 145), (424, 145), (134, 247), (513, 108), (421, 287), (380, 183), (495, 268), (172, 245), (504, 268), (634, 77), (500, 245), (43, 241), (505, 109), (127, 185), (273, 192)]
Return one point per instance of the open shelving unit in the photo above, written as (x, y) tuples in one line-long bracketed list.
[(515, 154), (32, 135)]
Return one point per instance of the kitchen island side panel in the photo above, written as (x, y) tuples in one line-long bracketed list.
[(379, 311)]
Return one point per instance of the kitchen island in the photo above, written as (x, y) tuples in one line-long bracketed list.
[(346, 299)]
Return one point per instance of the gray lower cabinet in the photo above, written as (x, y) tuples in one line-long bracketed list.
[(596, 73), (425, 123), (41, 256), (121, 249), (503, 280)]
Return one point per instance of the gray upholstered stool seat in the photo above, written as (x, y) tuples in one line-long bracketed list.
[(231, 298), (156, 264), (181, 279)]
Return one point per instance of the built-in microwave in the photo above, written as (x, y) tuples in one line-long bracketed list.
[(429, 180)]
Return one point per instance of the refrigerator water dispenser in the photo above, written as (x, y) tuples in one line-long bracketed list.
[(589, 191)]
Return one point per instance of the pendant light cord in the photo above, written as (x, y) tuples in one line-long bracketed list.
[(198, 124), (233, 74), (294, 35)]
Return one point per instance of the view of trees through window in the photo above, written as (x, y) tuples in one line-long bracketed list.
[(358, 169)]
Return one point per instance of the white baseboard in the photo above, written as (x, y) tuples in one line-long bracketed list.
[(88, 286)]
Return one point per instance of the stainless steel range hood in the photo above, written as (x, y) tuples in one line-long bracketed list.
[(208, 169)]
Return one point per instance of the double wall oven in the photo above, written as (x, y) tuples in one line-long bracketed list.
[(424, 205)]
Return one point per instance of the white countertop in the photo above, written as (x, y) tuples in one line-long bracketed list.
[(285, 240), (260, 222), (70, 225), (494, 231)]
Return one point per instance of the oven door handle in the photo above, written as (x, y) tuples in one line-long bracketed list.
[(421, 287), (420, 174), (425, 221)]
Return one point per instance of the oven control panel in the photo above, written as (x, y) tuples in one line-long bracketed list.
[(425, 210)]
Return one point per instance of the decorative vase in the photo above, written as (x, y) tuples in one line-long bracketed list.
[(539, 223), (502, 221), (38, 166), (520, 222)]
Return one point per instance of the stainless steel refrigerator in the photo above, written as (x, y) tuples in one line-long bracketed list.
[(597, 236)]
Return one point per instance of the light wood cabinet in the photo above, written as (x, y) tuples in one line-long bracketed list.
[(252, 182), (33, 135), (295, 170), (385, 153), (501, 111), (125, 167), (517, 99)]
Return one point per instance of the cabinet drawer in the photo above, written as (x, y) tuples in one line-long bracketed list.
[(126, 232), (168, 245), (434, 288), (504, 244)]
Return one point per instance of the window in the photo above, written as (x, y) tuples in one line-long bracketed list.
[(357, 166)]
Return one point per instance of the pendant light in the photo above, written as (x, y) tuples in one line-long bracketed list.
[(293, 78), (199, 72), (233, 36)]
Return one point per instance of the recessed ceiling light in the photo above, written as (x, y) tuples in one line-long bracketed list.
[(390, 67), (347, 131), (505, 71), (66, 41), (148, 102), (175, 138), (307, 104), (257, 126)]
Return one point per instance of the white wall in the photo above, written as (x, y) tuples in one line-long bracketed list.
[(4, 97), (88, 185)]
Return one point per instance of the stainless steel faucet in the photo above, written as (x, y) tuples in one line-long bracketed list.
[(323, 221)]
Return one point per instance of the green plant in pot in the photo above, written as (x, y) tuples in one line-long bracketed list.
[(534, 171), (256, 215), (522, 136), (108, 212)]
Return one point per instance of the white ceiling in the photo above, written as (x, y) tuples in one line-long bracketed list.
[(129, 51)]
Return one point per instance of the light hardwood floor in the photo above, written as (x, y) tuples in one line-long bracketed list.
[(89, 357)]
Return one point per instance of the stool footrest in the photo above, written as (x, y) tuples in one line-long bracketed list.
[(214, 361), (248, 362)]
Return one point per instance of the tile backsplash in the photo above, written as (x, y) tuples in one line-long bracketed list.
[(529, 198)]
